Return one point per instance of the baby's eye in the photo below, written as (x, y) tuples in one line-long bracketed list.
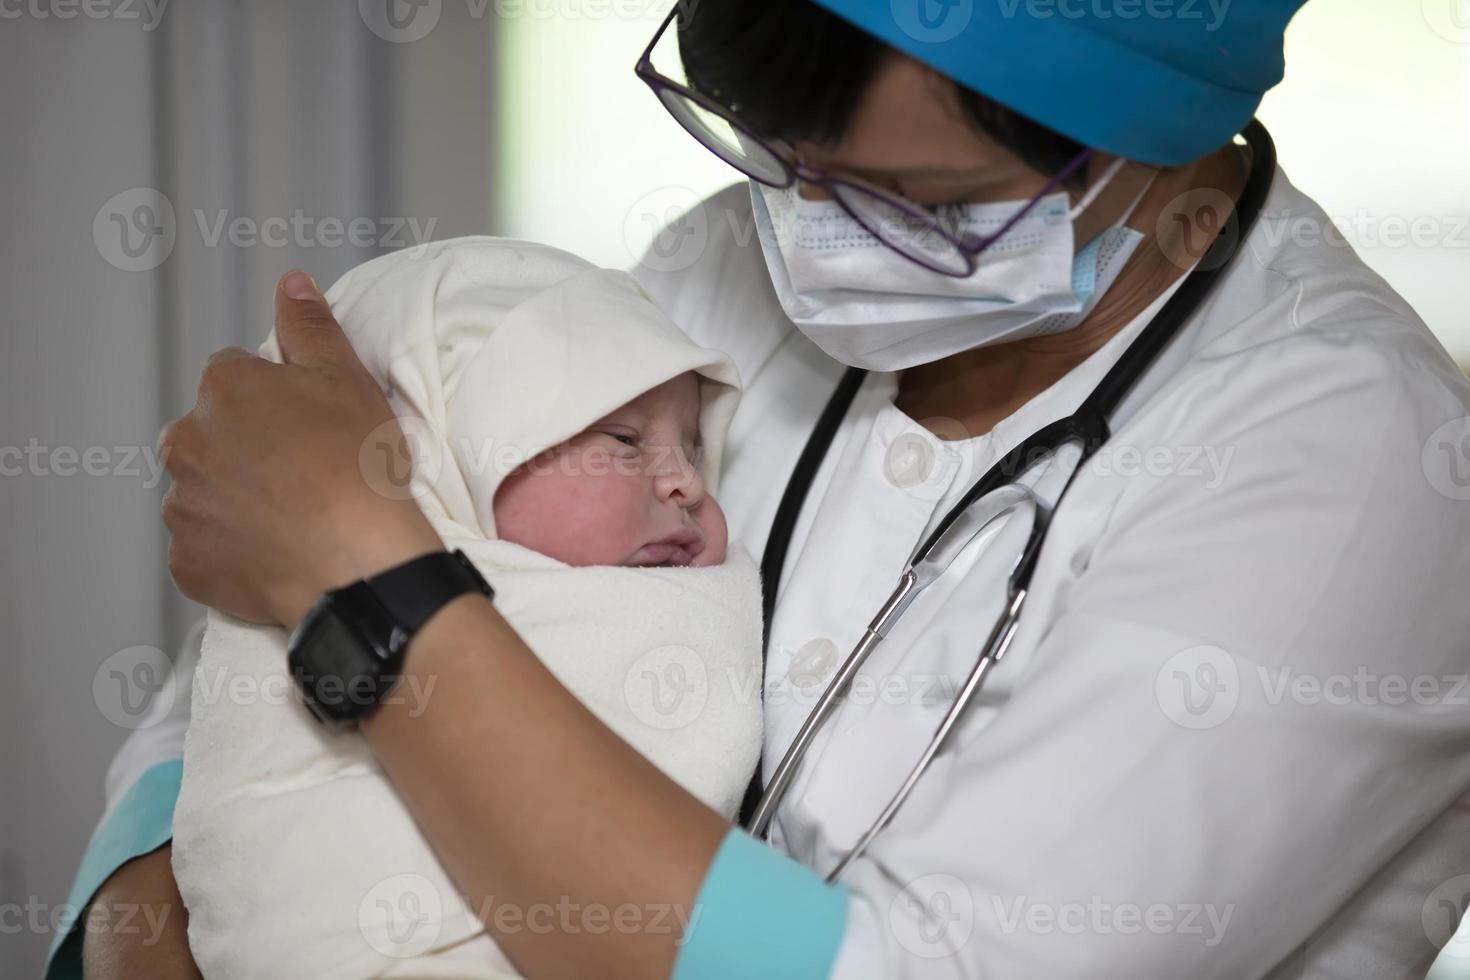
[(624, 438)]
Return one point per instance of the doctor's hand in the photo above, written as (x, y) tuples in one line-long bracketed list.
[(272, 501)]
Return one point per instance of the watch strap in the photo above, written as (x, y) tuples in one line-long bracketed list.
[(415, 590)]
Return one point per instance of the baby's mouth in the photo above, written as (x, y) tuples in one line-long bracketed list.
[(679, 548)]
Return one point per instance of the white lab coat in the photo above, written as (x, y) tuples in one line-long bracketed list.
[(1195, 759)]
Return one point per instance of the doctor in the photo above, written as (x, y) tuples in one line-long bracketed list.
[(1228, 737)]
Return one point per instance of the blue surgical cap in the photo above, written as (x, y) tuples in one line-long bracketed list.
[(1159, 81)]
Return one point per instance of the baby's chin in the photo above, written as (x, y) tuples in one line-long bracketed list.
[(713, 554)]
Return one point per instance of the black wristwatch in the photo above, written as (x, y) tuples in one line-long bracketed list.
[(347, 652)]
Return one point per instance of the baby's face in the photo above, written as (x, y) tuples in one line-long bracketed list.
[(622, 492)]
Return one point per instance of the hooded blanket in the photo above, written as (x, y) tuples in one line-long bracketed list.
[(293, 853)]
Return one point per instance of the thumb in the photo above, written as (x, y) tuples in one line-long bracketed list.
[(306, 330)]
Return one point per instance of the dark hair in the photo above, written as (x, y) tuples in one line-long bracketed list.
[(791, 70)]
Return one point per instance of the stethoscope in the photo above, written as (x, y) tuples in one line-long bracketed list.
[(994, 496)]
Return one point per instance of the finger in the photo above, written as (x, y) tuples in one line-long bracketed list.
[(222, 372), (305, 327), (225, 354), (176, 443)]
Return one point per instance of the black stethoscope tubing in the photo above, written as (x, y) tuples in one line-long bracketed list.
[(1088, 426)]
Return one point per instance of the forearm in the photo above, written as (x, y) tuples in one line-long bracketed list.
[(136, 926), (531, 800)]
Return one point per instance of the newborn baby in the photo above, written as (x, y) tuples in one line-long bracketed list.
[(566, 435), (621, 492)]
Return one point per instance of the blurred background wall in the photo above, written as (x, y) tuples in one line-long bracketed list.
[(162, 165)]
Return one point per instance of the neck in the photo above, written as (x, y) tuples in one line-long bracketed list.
[(977, 388)]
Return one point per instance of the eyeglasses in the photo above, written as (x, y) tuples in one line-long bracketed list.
[(913, 231)]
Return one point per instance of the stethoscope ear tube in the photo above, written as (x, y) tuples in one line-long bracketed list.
[(1088, 427), (922, 571), (995, 648)]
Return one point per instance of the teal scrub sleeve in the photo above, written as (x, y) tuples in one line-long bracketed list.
[(761, 914), (141, 822)]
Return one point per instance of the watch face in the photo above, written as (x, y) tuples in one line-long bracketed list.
[(337, 667)]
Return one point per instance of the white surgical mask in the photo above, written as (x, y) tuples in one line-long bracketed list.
[(869, 307)]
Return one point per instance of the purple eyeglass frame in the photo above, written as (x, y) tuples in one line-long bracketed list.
[(968, 247)]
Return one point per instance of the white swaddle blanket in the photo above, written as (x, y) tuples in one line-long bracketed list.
[(293, 853)]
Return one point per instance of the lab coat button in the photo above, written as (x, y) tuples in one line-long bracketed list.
[(813, 662), (909, 461)]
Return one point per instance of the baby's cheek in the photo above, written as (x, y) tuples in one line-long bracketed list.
[(711, 518), (570, 510)]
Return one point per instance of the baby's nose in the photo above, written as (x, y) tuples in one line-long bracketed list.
[(680, 477)]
